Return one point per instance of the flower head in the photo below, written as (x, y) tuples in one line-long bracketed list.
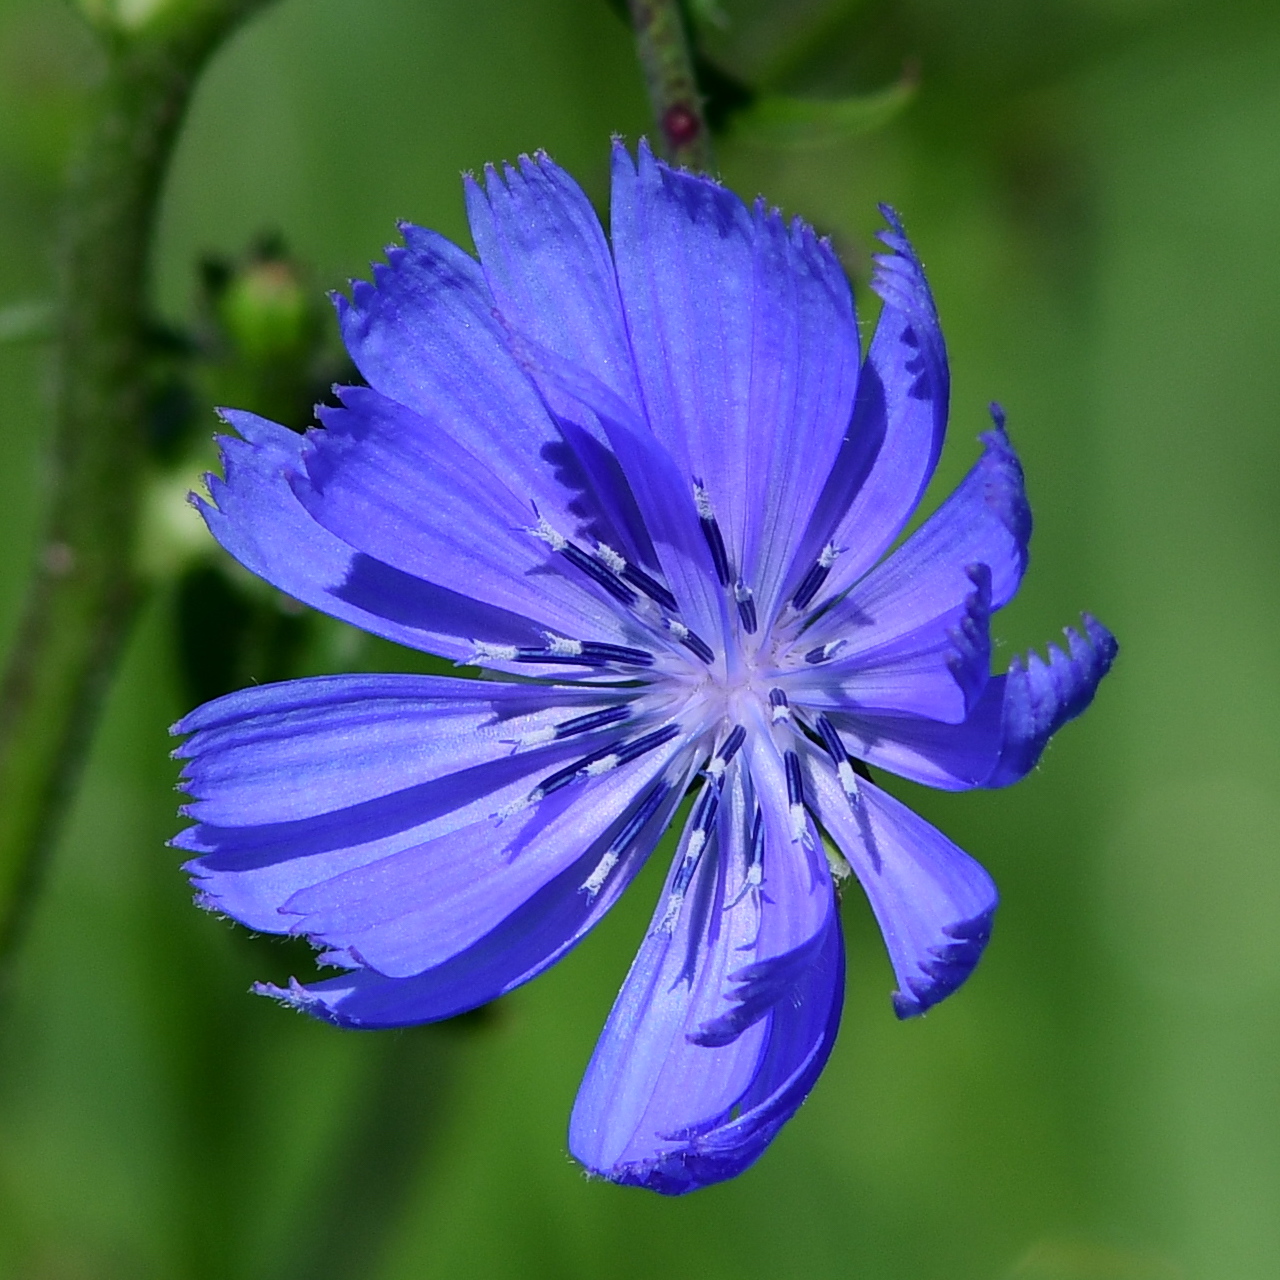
[(655, 479)]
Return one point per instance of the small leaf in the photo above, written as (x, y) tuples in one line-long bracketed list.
[(778, 120)]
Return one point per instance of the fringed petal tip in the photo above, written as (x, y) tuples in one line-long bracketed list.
[(298, 998), (1004, 490), (700, 1066), (947, 967), (727, 1144), (1043, 694), (898, 276)]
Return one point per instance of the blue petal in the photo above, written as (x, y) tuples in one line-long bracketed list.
[(1005, 733), (398, 487), (1040, 697), (282, 752), (549, 269), (664, 499), (427, 335), (934, 903), (938, 668), (726, 1017), (950, 757), (913, 634), (417, 908), (747, 349), (985, 521), (258, 519), (899, 422), (261, 874), (529, 940)]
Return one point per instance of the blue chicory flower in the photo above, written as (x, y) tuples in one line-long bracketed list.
[(653, 481)]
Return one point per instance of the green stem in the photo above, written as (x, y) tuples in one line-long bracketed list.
[(86, 589), (663, 49)]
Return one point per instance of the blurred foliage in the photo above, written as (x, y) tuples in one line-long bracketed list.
[(1094, 188)]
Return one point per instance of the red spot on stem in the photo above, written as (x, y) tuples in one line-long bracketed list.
[(681, 125)]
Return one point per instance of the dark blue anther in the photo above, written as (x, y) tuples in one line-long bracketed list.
[(777, 698), (708, 804), (557, 659), (549, 657), (697, 645), (817, 655), (687, 867), (625, 752), (719, 556), (795, 779), (746, 608), (831, 740), (810, 585), (836, 748), (617, 653), (711, 531), (757, 840), (736, 738), (650, 586), (598, 572), (593, 720), (640, 816), (634, 750)]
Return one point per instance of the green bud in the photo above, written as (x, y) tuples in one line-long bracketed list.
[(266, 313), (134, 15)]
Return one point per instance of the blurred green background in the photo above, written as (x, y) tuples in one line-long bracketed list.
[(1095, 188)]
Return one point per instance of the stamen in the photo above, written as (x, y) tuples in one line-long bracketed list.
[(708, 804), (795, 796), (754, 876), (610, 558), (545, 533), (597, 572), (816, 576), (578, 653), (510, 809), (795, 779), (605, 759), (780, 710), (592, 720), (726, 753), (848, 780), (595, 881), (711, 531), (617, 653), (846, 767), (650, 586), (603, 574), (562, 648), (799, 824), (537, 737), (691, 641), (483, 651), (824, 651), (632, 828), (745, 598)]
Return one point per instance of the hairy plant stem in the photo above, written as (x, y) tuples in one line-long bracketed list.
[(662, 47), (86, 589)]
